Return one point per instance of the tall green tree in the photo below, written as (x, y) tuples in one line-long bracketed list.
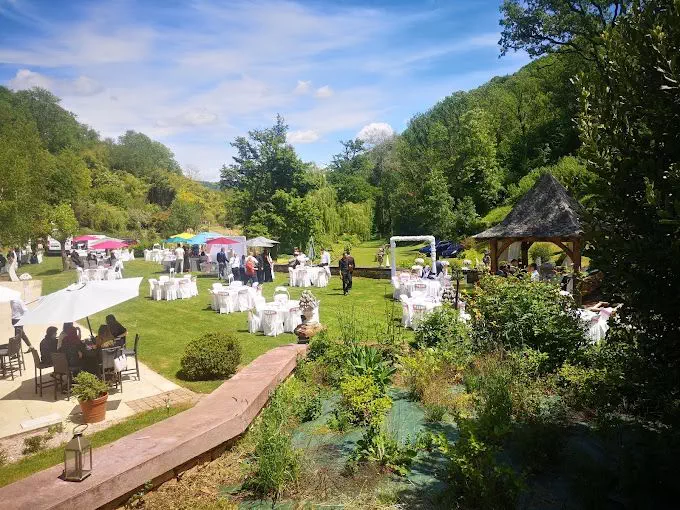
[(64, 226), (263, 164), (139, 155), (630, 126)]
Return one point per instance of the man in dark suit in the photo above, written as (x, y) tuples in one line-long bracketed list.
[(346, 266), (221, 264)]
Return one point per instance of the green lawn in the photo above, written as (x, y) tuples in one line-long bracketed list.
[(165, 327)]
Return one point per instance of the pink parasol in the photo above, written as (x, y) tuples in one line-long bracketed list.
[(80, 239), (221, 240), (109, 244)]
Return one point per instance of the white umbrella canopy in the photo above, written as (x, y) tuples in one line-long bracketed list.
[(261, 242), (81, 300), (7, 294)]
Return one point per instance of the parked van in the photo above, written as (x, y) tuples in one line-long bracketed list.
[(54, 246)]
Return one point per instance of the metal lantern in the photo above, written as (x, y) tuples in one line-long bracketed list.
[(78, 456)]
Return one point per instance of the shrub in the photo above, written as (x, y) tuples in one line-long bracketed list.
[(377, 445), (514, 313), (3, 457), (34, 444), (367, 361), (434, 412), (490, 379), (88, 387), (211, 356), (420, 369), (318, 346), (478, 480), (362, 400), (543, 251), (444, 328)]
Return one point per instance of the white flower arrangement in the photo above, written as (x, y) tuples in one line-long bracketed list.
[(307, 300)]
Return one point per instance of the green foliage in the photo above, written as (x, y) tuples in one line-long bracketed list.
[(516, 313), (88, 387), (629, 123), (34, 444), (379, 446), (211, 356), (496, 215), (361, 360), (139, 155), (362, 400), (276, 462), (478, 480), (434, 412), (543, 251), (183, 216), (420, 369), (443, 328), (3, 457)]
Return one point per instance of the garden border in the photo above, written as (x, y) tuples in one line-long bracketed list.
[(162, 451)]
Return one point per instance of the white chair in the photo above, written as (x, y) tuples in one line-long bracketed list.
[(419, 289), (184, 289), (303, 278), (164, 279), (405, 311), (293, 319), (171, 290), (243, 300), (281, 295), (254, 321), (397, 287), (236, 283), (151, 283), (157, 290), (292, 277), (417, 315), (147, 255), (216, 286), (271, 325), (193, 286), (172, 272), (81, 274), (213, 300), (322, 279), (224, 302), (111, 274)]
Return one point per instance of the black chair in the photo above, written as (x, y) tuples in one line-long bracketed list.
[(133, 352), (61, 371), (10, 357), (38, 368), (109, 374)]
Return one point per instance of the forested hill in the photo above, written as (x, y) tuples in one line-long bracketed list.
[(57, 172)]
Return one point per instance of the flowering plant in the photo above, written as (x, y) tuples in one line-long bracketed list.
[(307, 300)]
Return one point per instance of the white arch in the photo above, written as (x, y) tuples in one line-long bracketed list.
[(429, 239)]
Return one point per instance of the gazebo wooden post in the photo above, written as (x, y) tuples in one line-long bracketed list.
[(576, 260), (493, 248), (525, 253)]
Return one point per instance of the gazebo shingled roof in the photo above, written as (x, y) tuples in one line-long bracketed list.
[(546, 211)]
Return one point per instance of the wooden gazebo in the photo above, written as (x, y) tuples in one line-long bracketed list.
[(547, 213)]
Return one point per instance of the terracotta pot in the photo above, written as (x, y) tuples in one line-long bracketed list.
[(94, 410)]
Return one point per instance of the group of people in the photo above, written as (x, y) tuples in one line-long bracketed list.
[(92, 259), (253, 268), (82, 354), (515, 268)]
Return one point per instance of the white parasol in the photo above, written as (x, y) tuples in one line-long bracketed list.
[(81, 300)]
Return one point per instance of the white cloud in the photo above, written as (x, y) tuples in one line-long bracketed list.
[(323, 92), (80, 86), (302, 136), (303, 87), (375, 132), (26, 79), (187, 119)]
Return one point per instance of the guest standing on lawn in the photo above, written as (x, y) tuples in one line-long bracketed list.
[(260, 267), (346, 266), (268, 267), (221, 264), (179, 259), (235, 263)]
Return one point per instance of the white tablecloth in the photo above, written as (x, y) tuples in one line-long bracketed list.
[(283, 312), (308, 276), (407, 319), (597, 323), (226, 299), (433, 288)]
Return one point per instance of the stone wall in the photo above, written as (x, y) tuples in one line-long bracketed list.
[(365, 272), (163, 450)]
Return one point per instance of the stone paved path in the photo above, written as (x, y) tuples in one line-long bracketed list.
[(162, 399)]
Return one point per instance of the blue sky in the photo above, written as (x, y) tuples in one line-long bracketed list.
[(195, 74)]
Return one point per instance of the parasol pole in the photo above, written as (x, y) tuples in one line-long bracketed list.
[(89, 326)]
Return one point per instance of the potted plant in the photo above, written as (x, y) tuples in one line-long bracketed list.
[(92, 394), (308, 304)]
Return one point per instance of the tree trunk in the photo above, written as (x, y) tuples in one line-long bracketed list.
[(64, 260)]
